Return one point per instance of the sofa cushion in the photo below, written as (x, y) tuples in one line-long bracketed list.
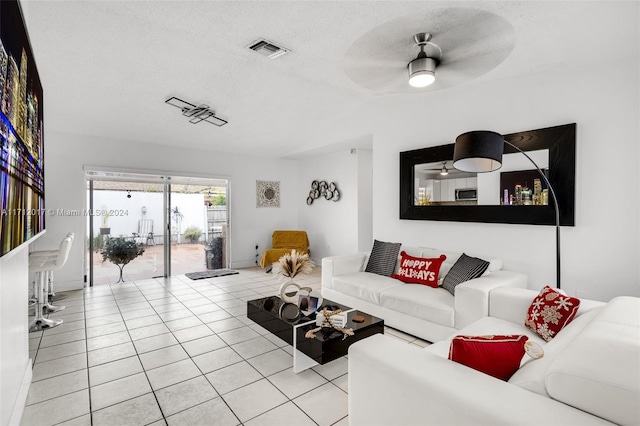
[(364, 285), (495, 264), (419, 270), (532, 374), (486, 325), (496, 355), (599, 370), (420, 301), (550, 312), (466, 268), (383, 258)]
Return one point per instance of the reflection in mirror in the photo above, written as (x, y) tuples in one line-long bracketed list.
[(515, 183), (439, 184)]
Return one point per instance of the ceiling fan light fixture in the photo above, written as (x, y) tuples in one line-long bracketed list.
[(422, 70), (444, 171)]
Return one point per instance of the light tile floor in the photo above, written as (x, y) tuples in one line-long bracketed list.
[(178, 352)]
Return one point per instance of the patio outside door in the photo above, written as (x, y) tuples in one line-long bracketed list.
[(170, 217)]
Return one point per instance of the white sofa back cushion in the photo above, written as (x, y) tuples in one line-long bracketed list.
[(511, 304), (599, 371), (531, 375)]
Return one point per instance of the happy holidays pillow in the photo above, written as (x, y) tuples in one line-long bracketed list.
[(419, 270), (551, 311), (498, 356)]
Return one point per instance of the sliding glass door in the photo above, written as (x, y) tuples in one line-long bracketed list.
[(198, 221), (169, 217)]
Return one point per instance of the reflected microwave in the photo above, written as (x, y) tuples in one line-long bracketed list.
[(469, 194)]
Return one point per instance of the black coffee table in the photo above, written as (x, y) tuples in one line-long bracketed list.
[(285, 321)]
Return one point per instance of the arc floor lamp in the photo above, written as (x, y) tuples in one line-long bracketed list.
[(481, 151)]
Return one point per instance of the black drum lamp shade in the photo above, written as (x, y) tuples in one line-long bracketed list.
[(478, 151), (481, 151)]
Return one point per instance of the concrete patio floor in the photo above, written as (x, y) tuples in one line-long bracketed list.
[(185, 258)]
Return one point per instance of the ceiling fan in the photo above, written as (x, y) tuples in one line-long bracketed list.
[(456, 44), (443, 171)]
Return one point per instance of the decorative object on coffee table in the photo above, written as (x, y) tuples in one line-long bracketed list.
[(287, 267), (326, 321)]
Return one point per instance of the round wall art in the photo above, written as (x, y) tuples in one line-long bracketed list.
[(329, 192)]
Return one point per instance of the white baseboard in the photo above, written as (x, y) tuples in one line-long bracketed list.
[(244, 264), (67, 285), (21, 399)]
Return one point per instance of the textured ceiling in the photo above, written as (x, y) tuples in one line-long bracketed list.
[(107, 67)]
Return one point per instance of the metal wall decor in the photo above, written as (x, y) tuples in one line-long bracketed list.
[(267, 193), (329, 192)]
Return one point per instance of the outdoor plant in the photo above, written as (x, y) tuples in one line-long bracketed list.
[(192, 233), (121, 251)]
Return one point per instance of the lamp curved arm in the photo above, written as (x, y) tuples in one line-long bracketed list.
[(555, 204)]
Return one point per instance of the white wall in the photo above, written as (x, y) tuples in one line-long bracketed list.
[(335, 227), (600, 254), (365, 199), (67, 154), (128, 211)]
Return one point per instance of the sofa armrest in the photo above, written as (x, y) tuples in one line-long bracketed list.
[(395, 383), (339, 265), (472, 297)]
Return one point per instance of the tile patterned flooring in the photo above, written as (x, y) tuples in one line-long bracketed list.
[(178, 352)]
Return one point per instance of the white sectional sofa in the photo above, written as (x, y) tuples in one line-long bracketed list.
[(590, 373), (429, 313)]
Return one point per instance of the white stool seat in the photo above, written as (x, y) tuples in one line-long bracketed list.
[(43, 263)]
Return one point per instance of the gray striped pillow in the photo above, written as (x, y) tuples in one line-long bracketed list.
[(466, 268), (383, 258)]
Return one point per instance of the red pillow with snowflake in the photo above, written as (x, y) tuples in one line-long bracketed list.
[(550, 312), (419, 270)]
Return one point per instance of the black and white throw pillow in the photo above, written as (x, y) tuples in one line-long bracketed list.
[(383, 258), (466, 268)]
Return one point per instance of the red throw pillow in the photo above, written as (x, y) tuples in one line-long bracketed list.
[(498, 356), (419, 270), (550, 312)]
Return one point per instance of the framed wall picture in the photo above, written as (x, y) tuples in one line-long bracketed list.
[(267, 193), (21, 133)]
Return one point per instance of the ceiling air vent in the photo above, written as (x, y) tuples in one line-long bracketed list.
[(267, 48)]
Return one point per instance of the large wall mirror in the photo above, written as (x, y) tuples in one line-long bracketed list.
[(431, 189)]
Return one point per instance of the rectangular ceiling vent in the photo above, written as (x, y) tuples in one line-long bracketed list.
[(267, 48)]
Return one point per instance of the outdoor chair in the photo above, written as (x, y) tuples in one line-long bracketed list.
[(145, 232)]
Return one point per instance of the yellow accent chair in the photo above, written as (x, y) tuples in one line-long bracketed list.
[(283, 242)]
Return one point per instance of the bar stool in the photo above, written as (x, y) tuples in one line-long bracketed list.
[(52, 297), (43, 265)]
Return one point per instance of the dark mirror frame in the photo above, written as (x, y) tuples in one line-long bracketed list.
[(561, 143)]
